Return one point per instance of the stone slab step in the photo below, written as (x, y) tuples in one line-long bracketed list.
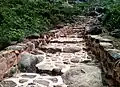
[(113, 50), (78, 30), (62, 47), (67, 40), (75, 36), (101, 38), (106, 45)]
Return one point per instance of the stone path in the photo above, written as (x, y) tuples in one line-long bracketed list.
[(62, 62)]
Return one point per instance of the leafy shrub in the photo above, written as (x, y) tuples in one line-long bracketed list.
[(20, 18), (112, 13), (112, 18)]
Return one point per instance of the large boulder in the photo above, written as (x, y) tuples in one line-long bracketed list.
[(28, 61), (83, 76)]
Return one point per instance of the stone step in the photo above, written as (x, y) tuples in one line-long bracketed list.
[(67, 40), (78, 30), (101, 38), (78, 27), (62, 47), (74, 36), (106, 45)]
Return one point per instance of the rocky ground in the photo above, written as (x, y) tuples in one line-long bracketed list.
[(60, 62)]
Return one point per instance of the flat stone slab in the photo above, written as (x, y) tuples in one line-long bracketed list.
[(45, 66), (69, 48), (74, 36), (51, 66), (106, 45), (67, 40), (101, 38), (113, 50), (77, 30), (63, 45)]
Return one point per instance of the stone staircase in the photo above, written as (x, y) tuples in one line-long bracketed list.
[(64, 57)]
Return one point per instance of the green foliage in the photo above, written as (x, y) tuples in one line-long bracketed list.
[(112, 18), (20, 18), (112, 14)]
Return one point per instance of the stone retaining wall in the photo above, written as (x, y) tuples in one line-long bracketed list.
[(7, 60), (104, 54), (9, 57)]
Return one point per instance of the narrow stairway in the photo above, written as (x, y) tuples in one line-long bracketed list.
[(63, 62)]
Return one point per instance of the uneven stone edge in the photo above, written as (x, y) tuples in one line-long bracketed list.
[(110, 64)]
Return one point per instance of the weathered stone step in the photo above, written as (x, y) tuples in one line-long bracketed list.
[(78, 30), (75, 36), (78, 27), (106, 45), (67, 40), (62, 47), (100, 38), (56, 64)]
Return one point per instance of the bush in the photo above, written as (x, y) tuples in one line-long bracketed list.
[(112, 18), (20, 18)]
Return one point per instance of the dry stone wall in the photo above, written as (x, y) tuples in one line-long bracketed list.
[(10, 57), (107, 55), (7, 60)]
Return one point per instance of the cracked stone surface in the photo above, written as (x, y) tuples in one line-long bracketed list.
[(32, 80)]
